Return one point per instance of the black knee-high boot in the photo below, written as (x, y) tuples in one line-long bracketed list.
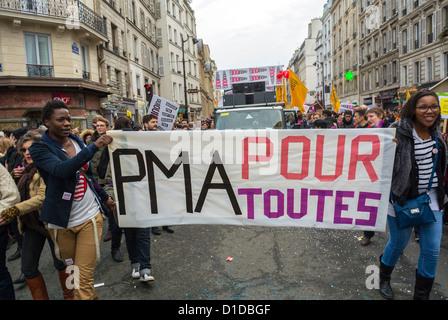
[(385, 288), (423, 287)]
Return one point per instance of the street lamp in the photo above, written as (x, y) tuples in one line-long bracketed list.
[(185, 76), (323, 81)]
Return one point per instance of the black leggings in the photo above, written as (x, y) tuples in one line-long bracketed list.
[(33, 244)]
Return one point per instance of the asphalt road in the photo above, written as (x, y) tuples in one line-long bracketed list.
[(266, 264)]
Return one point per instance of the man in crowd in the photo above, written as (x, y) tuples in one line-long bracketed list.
[(98, 161), (360, 119), (328, 117), (150, 124), (347, 120)]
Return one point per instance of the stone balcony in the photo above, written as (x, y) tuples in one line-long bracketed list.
[(68, 14)]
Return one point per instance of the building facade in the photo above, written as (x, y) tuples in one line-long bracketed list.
[(180, 56), (97, 56), (379, 55), (422, 44), (48, 50), (381, 49), (323, 58), (207, 68), (345, 49), (303, 62)]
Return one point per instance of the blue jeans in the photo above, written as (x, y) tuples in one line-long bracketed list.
[(138, 243), (430, 235), (6, 286)]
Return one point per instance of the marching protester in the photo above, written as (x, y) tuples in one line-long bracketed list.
[(4, 145), (13, 163), (101, 171), (327, 116), (360, 121), (138, 240), (86, 135), (9, 196), (113, 232), (376, 118), (32, 194), (78, 181), (150, 124), (347, 120), (419, 144), (359, 118), (72, 205), (301, 122)]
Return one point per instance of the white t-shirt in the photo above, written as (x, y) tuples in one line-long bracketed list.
[(84, 205)]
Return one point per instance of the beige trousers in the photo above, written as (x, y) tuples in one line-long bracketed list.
[(79, 246)]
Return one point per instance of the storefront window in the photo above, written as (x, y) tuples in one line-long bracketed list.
[(79, 123), (15, 125)]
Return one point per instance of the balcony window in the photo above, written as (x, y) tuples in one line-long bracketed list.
[(38, 55), (34, 6)]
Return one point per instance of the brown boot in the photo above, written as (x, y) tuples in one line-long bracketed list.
[(67, 293), (38, 288)]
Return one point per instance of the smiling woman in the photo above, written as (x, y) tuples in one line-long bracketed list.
[(419, 140)]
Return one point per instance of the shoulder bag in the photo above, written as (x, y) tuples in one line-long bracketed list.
[(416, 211)]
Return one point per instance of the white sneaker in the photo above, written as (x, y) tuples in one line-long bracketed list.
[(146, 276), (135, 273)]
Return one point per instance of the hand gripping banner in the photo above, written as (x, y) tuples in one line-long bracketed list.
[(295, 178)]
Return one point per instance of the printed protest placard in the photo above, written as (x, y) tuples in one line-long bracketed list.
[(165, 111), (304, 178), (443, 101)]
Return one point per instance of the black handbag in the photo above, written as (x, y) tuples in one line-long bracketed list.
[(416, 211)]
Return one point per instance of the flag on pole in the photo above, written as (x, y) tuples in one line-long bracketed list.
[(298, 91), (335, 100), (285, 98), (279, 94)]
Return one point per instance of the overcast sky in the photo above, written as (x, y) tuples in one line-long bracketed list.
[(254, 33)]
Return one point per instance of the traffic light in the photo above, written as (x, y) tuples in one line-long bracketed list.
[(148, 92)]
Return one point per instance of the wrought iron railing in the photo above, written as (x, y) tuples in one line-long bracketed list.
[(36, 70), (72, 11)]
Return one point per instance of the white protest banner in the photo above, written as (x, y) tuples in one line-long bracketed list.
[(305, 178), (165, 111)]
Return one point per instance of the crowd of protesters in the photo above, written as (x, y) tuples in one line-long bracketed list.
[(56, 186)]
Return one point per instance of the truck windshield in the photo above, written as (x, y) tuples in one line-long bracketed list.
[(249, 119)]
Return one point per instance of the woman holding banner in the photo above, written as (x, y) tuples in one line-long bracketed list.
[(72, 205), (419, 140)]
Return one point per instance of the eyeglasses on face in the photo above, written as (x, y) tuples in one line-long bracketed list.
[(426, 108)]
